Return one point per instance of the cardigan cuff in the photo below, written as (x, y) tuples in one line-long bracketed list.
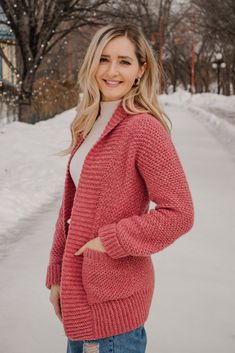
[(108, 237), (53, 275)]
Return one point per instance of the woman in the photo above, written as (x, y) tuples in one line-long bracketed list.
[(100, 271)]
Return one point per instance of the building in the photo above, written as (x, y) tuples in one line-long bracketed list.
[(8, 88), (7, 43)]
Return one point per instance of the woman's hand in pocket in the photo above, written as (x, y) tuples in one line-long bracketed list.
[(55, 300), (95, 244)]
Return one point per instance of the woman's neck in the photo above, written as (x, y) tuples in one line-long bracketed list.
[(112, 101)]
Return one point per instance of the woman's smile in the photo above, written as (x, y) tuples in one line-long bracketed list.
[(112, 83)]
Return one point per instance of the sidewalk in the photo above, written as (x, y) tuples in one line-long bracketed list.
[(27, 322)]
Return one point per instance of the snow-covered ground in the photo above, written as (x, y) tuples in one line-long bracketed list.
[(31, 176), (216, 112), (193, 307)]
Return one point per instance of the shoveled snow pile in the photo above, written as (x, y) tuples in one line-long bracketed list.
[(217, 112)]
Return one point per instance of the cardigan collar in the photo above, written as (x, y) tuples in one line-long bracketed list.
[(117, 116)]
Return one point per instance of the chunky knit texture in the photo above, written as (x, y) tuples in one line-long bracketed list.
[(134, 161)]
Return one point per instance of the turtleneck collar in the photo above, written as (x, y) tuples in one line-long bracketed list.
[(108, 107)]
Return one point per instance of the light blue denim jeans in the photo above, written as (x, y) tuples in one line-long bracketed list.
[(133, 341)]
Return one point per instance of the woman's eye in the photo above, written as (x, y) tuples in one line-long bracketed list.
[(101, 59), (122, 62), (126, 62)]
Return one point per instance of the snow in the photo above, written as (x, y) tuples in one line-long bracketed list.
[(30, 180), (193, 305), (203, 100), (216, 112)]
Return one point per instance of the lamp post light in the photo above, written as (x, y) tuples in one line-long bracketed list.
[(218, 64)]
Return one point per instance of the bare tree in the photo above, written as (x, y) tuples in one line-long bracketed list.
[(218, 17), (217, 20), (38, 26)]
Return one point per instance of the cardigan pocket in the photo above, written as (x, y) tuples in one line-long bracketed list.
[(105, 278)]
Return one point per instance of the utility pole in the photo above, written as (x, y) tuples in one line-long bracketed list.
[(193, 67), (161, 42), (193, 90)]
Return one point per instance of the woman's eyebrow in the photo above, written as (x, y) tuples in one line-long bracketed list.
[(120, 56)]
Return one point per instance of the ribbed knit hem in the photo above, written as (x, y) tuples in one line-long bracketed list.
[(53, 275), (108, 236), (119, 316), (116, 317)]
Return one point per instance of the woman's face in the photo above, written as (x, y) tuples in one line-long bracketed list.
[(118, 69)]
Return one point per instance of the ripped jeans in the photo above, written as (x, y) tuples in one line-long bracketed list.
[(133, 341)]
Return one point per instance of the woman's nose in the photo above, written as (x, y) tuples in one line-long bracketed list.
[(112, 69)]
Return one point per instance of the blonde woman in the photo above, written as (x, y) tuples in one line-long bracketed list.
[(121, 157)]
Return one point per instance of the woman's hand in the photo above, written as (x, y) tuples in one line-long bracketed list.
[(55, 299), (94, 244)]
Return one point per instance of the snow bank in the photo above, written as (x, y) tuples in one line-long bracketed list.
[(204, 100), (202, 107), (30, 174)]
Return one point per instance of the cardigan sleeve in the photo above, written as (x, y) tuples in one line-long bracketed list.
[(160, 167), (56, 253)]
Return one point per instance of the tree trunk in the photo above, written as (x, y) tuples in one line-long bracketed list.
[(233, 85), (25, 113), (226, 82), (25, 101)]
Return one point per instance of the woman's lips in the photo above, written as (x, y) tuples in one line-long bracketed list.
[(111, 83)]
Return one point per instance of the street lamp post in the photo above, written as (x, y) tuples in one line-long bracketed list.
[(218, 63)]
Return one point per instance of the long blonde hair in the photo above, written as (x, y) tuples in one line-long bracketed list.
[(145, 94)]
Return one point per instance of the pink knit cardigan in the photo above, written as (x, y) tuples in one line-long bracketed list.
[(134, 161)]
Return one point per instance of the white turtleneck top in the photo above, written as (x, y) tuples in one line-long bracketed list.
[(107, 109)]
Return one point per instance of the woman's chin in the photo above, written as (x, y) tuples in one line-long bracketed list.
[(113, 97)]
